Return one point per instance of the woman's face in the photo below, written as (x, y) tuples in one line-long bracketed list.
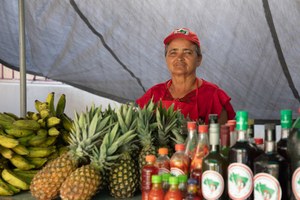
[(181, 57)]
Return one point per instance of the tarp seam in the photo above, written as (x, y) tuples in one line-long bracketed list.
[(100, 36), (281, 58)]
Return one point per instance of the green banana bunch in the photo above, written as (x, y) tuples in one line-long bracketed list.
[(53, 131), (50, 101), (21, 163), (20, 149), (66, 122), (13, 179), (53, 121), (6, 121), (17, 132), (7, 141), (5, 189), (27, 124), (26, 175), (41, 152), (39, 138), (40, 105), (6, 152)]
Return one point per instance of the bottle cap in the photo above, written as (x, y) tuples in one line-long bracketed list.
[(166, 176), (179, 147), (150, 158), (242, 120), (173, 180), (191, 125), (203, 128), (250, 122), (156, 178), (225, 137), (286, 118), (192, 181), (213, 118), (163, 151), (270, 134), (258, 141), (182, 178)]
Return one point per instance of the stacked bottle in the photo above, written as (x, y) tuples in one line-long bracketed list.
[(156, 192), (180, 162), (173, 192), (148, 170), (163, 161)]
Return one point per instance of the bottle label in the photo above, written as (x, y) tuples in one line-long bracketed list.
[(266, 187), (296, 183), (240, 181), (176, 171), (163, 171), (212, 184)]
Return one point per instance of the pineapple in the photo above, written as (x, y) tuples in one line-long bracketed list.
[(89, 129), (124, 176), (169, 123), (84, 182)]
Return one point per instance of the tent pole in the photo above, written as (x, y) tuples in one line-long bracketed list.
[(23, 99)]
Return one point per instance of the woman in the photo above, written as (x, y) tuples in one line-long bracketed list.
[(195, 97)]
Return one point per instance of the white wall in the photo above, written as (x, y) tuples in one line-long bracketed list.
[(77, 100)]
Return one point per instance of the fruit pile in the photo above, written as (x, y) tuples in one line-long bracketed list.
[(27, 144)]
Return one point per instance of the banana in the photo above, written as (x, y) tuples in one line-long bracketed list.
[(49, 141), (53, 131), (16, 132), (45, 113), (52, 121), (21, 162), (38, 162), (8, 118), (42, 123), (13, 179), (24, 140), (62, 150), (66, 122), (12, 115), (50, 101), (6, 153), (35, 152), (61, 104), (36, 116), (29, 115), (13, 188), (20, 149), (6, 124), (5, 189), (27, 176), (27, 124), (37, 105), (39, 138), (8, 142), (65, 135)]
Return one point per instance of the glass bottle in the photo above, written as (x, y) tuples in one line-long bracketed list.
[(233, 133), (250, 135), (165, 182), (271, 170), (214, 168), (182, 184), (225, 141), (202, 148), (192, 190), (191, 140), (163, 161), (148, 170), (241, 158), (179, 162), (259, 143), (286, 125), (294, 153), (156, 192), (173, 192)]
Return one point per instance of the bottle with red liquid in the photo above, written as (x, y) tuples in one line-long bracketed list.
[(191, 140), (182, 185), (233, 132), (165, 182), (180, 162), (163, 161), (156, 192), (148, 170), (173, 192)]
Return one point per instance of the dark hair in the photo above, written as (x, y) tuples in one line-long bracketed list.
[(198, 50)]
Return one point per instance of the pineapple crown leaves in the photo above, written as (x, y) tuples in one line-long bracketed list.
[(89, 129), (103, 156), (126, 117)]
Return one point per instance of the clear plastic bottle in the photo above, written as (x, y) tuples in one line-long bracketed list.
[(182, 184), (163, 161), (173, 192), (156, 192), (180, 162), (191, 140), (148, 170), (165, 182), (233, 132)]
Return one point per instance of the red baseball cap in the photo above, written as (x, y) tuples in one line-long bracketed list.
[(182, 33)]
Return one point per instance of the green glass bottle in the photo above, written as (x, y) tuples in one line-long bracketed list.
[(286, 125), (241, 158), (271, 170), (214, 167), (294, 154)]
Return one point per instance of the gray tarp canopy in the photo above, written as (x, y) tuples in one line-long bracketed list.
[(114, 48)]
